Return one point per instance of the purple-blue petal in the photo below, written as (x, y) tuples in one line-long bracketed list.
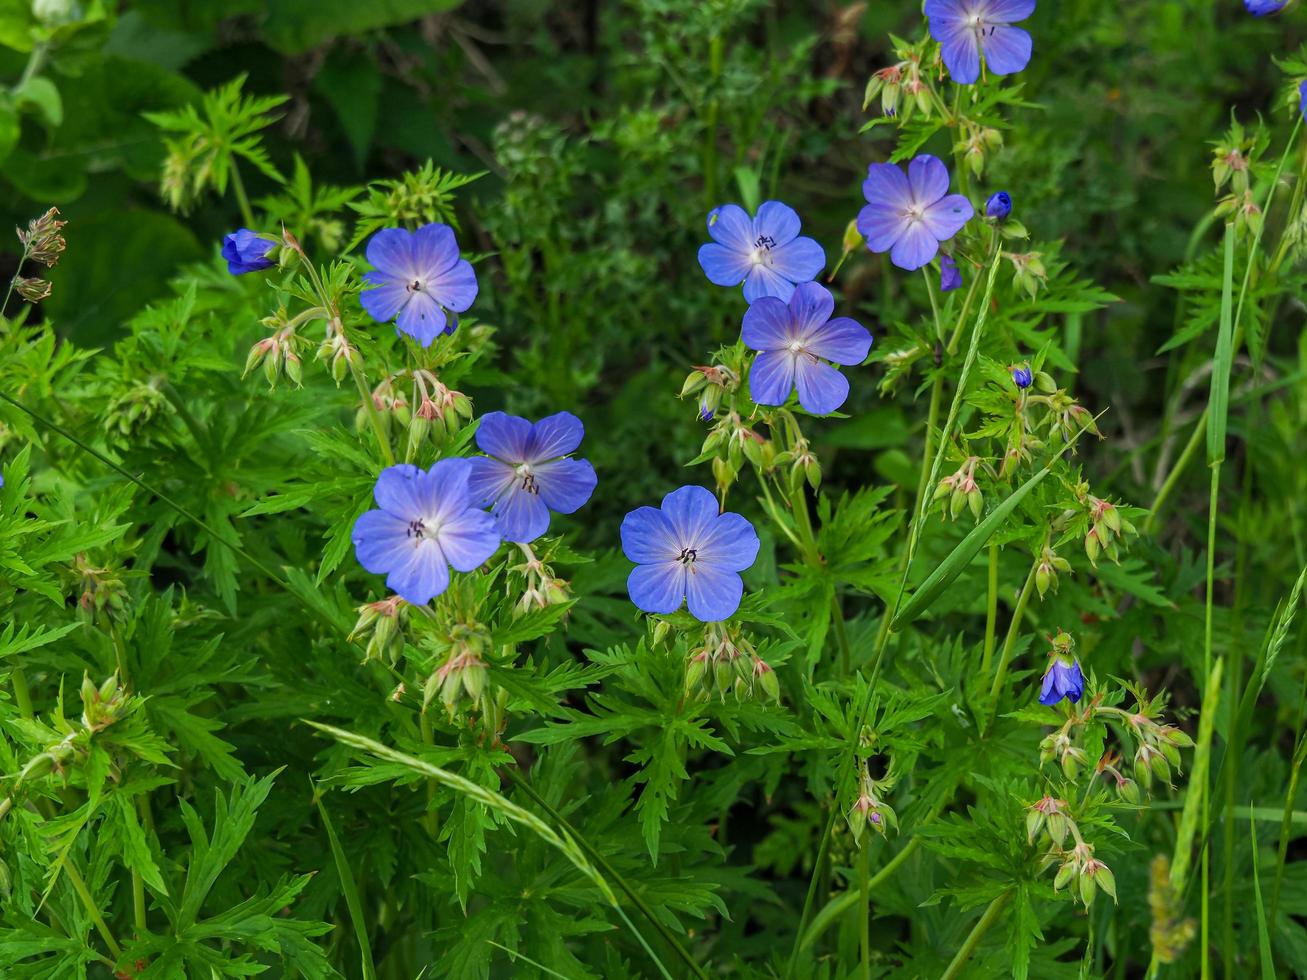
[(565, 484), (657, 588), (521, 514), (647, 536), (554, 436), (822, 389), (504, 436), (771, 378), (712, 593)]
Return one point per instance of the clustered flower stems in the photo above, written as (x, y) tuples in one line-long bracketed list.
[(43, 243)]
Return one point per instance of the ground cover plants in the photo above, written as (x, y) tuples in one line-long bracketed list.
[(658, 489)]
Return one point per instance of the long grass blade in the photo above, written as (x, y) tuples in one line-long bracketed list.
[(350, 888), (505, 807), (1263, 935)]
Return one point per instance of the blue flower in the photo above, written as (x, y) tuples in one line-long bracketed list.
[(966, 29), (950, 277), (527, 473), (1022, 377), (765, 253), (999, 205), (246, 252), (427, 521), (420, 277), (795, 340), (909, 216), (1302, 98), (1063, 679), (686, 550), (1260, 8)]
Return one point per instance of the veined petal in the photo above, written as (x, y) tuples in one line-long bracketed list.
[(822, 389), (842, 340), (657, 588), (421, 318), (444, 489), (553, 436), (917, 247), (712, 593), (434, 250), (455, 288), (390, 251), (722, 265), (470, 538), (384, 299), (928, 178), (689, 512), (771, 379), (945, 12), (422, 577), (647, 536), (730, 225), (1007, 49), (565, 484), (399, 491), (799, 260), (730, 542), (381, 541), (887, 187), (945, 217), (767, 325), (1007, 11), (522, 516), (763, 281), (487, 479), (961, 53), (776, 221), (504, 436), (881, 226), (810, 307)]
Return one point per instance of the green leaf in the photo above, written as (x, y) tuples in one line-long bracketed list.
[(42, 95), (1218, 402), (348, 886)]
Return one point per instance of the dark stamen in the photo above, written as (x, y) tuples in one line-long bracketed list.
[(415, 530), (765, 242), (688, 556)]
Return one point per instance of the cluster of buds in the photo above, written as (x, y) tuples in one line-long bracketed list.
[(43, 243), (1107, 528), (1028, 271), (438, 412), (732, 441), (1169, 932), (1060, 746), (391, 405), (898, 365), (901, 87), (869, 810), (133, 407), (803, 464), (979, 142), (962, 491), (337, 350), (1233, 159), (1046, 571), (727, 662), (709, 382), (1052, 819), (102, 590), (462, 673), (279, 353), (1067, 416), (1159, 746), (543, 589), (1079, 865), (101, 705), (383, 624)]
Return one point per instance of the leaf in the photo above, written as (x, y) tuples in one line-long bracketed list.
[(1218, 402), (350, 888), (294, 27), (41, 94)]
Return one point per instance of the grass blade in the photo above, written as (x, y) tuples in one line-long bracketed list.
[(501, 805), (1218, 402), (1263, 935), (350, 888)]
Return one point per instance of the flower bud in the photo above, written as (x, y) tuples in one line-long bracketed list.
[(999, 206)]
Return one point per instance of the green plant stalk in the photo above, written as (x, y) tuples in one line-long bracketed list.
[(710, 124), (1295, 769), (242, 200), (350, 889), (991, 611), (14, 279), (982, 926), (842, 903), (864, 912), (1009, 644), (88, 902)]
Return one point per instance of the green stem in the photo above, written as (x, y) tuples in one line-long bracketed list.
[(991, 611), (238, 185), (864, 911), (1009, 643), (379, 430), (977, 933), (1177, 470), (710, 123), (88, 902), (22, 694)]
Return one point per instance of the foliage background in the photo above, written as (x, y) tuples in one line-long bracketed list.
[(606, 131)]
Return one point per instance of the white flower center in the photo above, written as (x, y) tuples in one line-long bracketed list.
[(524, 473), (796, 346)]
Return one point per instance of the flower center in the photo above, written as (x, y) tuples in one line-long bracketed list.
[(913, 212), (796, 346), (528, 479), (416, 530), (415, 286), (688, 556)]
